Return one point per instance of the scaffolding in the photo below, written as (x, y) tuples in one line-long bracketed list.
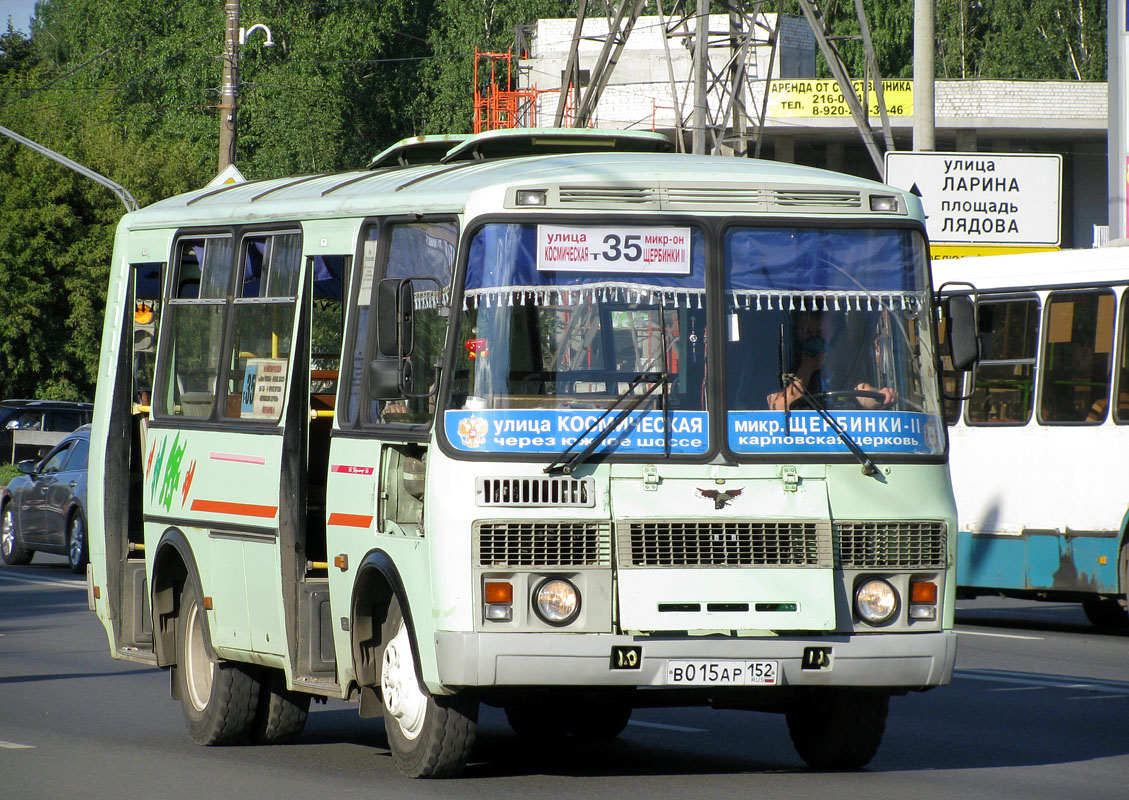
[(500, 105), (711, 115)]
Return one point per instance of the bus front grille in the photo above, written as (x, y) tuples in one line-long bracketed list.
[(525, 492), (543, 543), (891, 544), (733, 543)]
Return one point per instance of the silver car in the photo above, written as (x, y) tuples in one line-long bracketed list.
[(45, 507)]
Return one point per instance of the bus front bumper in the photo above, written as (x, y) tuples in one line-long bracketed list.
[(906, 660)]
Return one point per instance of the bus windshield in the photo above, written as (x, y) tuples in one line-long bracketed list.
[(559, 322), (834, 319)]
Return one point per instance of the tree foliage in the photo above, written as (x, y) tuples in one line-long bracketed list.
[(984, 39), (130, 88)]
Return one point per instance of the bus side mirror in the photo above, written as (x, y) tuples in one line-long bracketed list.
[(959, 312), (388, 377), (390, 374), (395, 328)]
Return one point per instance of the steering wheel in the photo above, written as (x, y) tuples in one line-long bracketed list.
[(854, 394)]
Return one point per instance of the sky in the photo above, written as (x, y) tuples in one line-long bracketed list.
[(20, 11)]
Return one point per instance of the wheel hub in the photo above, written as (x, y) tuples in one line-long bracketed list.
[(403, 697), (7, 534), (76, 542), (199, 669)]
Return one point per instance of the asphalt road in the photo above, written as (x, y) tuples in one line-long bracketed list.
[(1038, 708)]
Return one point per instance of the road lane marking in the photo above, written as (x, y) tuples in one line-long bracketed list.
[(1033, 680), (1001, 635), (7, 575), (664, 727), (15, 746)]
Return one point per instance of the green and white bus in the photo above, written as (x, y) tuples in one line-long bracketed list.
[(556, 421)]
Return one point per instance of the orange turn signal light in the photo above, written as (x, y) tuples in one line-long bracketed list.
[(499, 592), (922, 592)]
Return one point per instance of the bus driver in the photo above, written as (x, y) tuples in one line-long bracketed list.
[(812, 334)]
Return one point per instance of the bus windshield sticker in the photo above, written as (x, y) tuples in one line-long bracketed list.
[(875, 431), (643, 249), (550, 430), (368, 267)]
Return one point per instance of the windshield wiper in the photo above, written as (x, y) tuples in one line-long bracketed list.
[(656, 379), (868, 466)]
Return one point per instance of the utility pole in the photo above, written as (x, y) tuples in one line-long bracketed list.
[(1117, 56), (923, 75), (230, 81), (701, 65)]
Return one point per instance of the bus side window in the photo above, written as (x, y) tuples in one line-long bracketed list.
[(1121, 407), (263, 322), (1004, 379), (419, 250), (1077, 357), (193, 327), (952, 381), (327, 322), (146, 319)]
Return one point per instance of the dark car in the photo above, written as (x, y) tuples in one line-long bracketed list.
[(45, 416), (45, 507)]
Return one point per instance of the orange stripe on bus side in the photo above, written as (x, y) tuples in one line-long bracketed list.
[(349, 520), (236, 509)]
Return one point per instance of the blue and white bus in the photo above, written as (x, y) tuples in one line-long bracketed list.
[(1038, 447)]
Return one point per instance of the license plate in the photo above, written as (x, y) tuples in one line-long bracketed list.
[(722, 673)]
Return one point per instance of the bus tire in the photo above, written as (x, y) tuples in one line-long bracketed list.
[(219, 698), (281, 714), (600, 721), (430, 736), (11, 548), (1106, 613), (837, 728)]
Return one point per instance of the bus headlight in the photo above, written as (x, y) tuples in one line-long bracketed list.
[(876, 602), (556, 601)]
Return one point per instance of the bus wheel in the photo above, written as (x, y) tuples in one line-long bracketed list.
[(1106, 613), (597, 722), (76, 543), (219, 698), (837, 728), (430, 736), (281, 714)]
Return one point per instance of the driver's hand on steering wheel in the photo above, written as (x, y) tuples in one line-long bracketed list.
[(889, 396)]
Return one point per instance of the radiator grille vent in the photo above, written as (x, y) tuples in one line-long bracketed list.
[(734, 543), (893, 544), (543, 543), (534, 492)]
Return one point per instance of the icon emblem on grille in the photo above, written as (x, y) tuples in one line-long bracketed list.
[(720, 499)]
